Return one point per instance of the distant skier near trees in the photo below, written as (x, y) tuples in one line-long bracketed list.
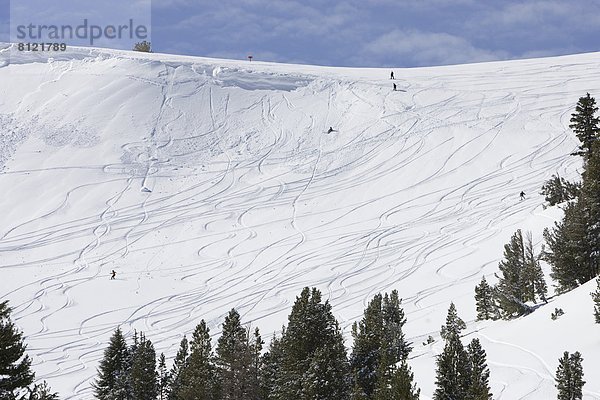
[(522, 195), (392, 75), (113, 274)]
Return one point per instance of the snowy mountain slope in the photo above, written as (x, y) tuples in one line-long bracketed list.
[(210, 184)]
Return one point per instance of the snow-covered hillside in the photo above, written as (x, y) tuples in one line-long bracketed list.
[(211, 184)]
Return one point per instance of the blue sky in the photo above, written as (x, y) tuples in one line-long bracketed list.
[(373, 33)]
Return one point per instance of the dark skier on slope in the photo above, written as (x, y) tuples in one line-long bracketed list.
[(113, 274), (330, 129), (392, 75), (394, 86), (522, 194)]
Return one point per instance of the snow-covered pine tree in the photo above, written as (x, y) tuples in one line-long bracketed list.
[(485, 301), (234, 359), (270, 367), (174, 376), (479, 388), (163, 377), (394, 341), (566, 249), (142, 374), (255, 391), (453, 373), (514, 287), (15, 372), (311, 336), (379, 334), (113, 373), (534, 274), (596, 298), (569, 377), (590, 204), (198, 376), (403, 385), (40, 391), (366, 351), (585, 124), (454, 324)]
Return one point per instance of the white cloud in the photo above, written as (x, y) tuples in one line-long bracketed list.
[(425, 48)]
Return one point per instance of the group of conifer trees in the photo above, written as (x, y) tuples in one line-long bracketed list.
[(307, 361)]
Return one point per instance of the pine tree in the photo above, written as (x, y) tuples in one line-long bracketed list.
[(569, 377), (271, 366), (515, 286), (40, 391), (585, 124), (175, 374), (366, 352), (596, 298), (454, 324), (198, 376), (566, 251), (15, 372), (311, 349), (590, 210), (533, 273), (142, 375), (234, 359), (113, 373), (479, 388), (255, 391), (163, 378), (485, 301), (403, 386), (379, 343), (453, 373)]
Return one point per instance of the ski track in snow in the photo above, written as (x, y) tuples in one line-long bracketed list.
[(223, 190)]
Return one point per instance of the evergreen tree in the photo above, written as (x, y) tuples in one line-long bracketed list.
[(378, 337), (453, 373), (479, 388), (515, 286), (175, 374), (596, 298), (585, 124), (533, 273), (40, 392), (113, 373), (566, 251), (198, 376), (403, 386), (271, 365), (366, 352), (569, 377), (485, 301), (143, 46), (590, 210), (454, 324), (236, 360), (15, 372), (255, 391), (163, 378), (311, 345), (558, 190), (142, 375)]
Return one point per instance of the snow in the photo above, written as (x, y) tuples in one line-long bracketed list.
[(210, 184)]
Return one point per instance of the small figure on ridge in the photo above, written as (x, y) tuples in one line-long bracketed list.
[(394, 86), (330, 129), (522, 194), (113, 274), (392, 75)]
